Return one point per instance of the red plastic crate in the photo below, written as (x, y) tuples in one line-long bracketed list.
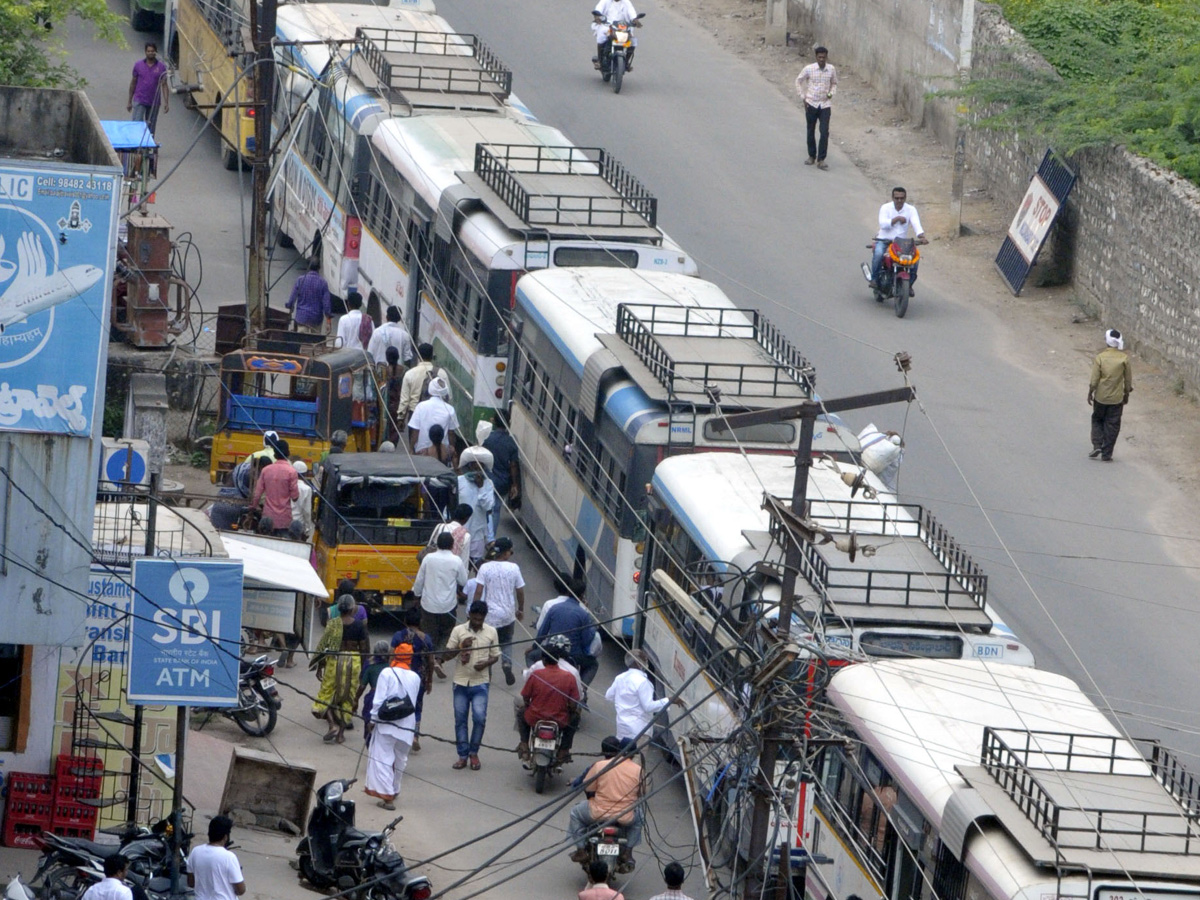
[(78, 769), (82, 789), (73, 815), (88, 832), (28, 786), (25, 835), (37, 811)]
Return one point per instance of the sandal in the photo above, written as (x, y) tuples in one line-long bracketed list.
[(460, 763), (330, 737)]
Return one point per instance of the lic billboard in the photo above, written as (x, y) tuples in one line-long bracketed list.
[(186, 631), (57, 254)]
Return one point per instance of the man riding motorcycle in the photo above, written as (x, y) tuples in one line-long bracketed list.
[(614, 787), (550, 693), (613, 11), (895, 219)]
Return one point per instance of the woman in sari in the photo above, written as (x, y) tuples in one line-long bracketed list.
[(339, 662)]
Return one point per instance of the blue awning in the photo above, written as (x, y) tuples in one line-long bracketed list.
[(125, 135)]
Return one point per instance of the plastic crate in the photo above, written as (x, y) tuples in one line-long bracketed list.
[(23, 835), (73, 815), (28, 786), (72, 791), (86, 832), (37, 810), (73, 769)]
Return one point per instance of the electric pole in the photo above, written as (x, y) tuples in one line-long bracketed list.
[(262, 26), (773, 735)]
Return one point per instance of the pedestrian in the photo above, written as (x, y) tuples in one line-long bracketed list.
[(475, 489), (476, 644), (502, 587), (309, 302), (381, 658), (338, 664), (674, 875), (569, 617), (214, 872), (350, 326), (148, 89), (302, 506), (423, 661), (506, 468), (817, 83), (277, 488), (550, 694), (632, 695), (391, 741), (1108, 392), (414, 383), (434, 411), (391, 377), (438, 586), (391, 334), (113, 887), (598, 887)]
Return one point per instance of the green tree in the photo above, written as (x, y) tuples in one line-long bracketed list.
[(31, 51)]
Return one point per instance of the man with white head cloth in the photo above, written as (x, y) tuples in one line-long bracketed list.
[(1108, 392), (434, 411)]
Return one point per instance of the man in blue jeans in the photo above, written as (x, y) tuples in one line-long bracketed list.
[(477, 647)]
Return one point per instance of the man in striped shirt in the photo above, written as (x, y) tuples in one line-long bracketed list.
[(817, 84)]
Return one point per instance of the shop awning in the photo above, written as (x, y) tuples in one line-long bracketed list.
[(269, 568)]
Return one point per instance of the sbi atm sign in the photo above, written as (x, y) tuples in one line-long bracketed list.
[(185, 638)]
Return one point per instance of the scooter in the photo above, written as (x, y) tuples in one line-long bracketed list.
[(258, 699), (896, 272), (545, 738), (333, 853), (613, 54), (18, 890)]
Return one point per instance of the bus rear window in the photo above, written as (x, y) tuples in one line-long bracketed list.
[(922, 646), (767, 433), (596, 256)]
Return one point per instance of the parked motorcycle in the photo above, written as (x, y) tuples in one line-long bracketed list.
[(18, 890), (613, 54), (333, 853), (896, 273), (544, 740), (67, 865), (258, 699)]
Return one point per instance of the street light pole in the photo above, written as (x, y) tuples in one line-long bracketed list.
[(262, 24)]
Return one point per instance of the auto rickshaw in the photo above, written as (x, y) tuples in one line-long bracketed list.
[(376, 513), (303, 397)]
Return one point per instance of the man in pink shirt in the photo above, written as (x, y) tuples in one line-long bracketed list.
[(277, 487)]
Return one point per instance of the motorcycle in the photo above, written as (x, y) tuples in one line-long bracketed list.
[(258, 699), (333, 853), (896, 272), (545, 738), (613, 54), (18, 890), (611, 844), (68, 865)]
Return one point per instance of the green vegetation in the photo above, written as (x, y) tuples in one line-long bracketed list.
[(32, 54), (1130, 74)]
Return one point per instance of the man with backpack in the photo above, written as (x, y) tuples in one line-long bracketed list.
[(355, 327), (415, 386)]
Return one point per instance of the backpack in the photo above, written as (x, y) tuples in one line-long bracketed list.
[(366, 328), (429, 376)]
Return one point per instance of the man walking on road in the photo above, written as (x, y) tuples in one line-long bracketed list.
[(309, 301), (391, 334), (214, 873), (817, 83), (1108, 392), (439, 581), (632, 695), (502, 588), (148, 88), (673, 875), (477, 648)]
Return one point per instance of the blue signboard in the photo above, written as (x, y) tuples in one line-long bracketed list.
[(185, 637), (57, 253)]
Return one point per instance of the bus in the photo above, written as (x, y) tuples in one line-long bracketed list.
[(210, 45), (613, 371), (486, 199), (956, 779), (329, 103)]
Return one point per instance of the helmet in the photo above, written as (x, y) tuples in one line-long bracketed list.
[(557, 645)]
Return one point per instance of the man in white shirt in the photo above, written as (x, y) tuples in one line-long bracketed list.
[(895, 220), (613, 11), (113, 887), (633, 697), (214, 873), (350, 324), (302, 506), (434, 411), (438, 584), (502, 587), (391, 334)]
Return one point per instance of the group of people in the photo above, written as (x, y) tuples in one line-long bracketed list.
[(274, 488)]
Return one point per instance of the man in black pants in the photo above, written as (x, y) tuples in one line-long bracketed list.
[(817, 83)]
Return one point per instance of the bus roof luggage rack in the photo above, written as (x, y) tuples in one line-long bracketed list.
[(670, 351), (431, 69), (917, 573), (1091, 802), (569, 191)]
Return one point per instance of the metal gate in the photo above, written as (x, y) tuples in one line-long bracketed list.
[(1048, 191)]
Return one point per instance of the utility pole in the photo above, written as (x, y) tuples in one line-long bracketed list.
[(773, 735), (262, 26)]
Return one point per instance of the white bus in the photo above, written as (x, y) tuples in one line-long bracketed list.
[(487, 199), (614, 370), (957, 779)]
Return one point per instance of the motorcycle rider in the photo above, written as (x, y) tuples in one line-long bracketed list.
[(895, 220), (614, 787), (550, 693), (613, 11)]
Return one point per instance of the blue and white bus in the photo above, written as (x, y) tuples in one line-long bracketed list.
[(613, 371)]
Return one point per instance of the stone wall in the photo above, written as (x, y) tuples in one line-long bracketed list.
[(1121, 236)]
